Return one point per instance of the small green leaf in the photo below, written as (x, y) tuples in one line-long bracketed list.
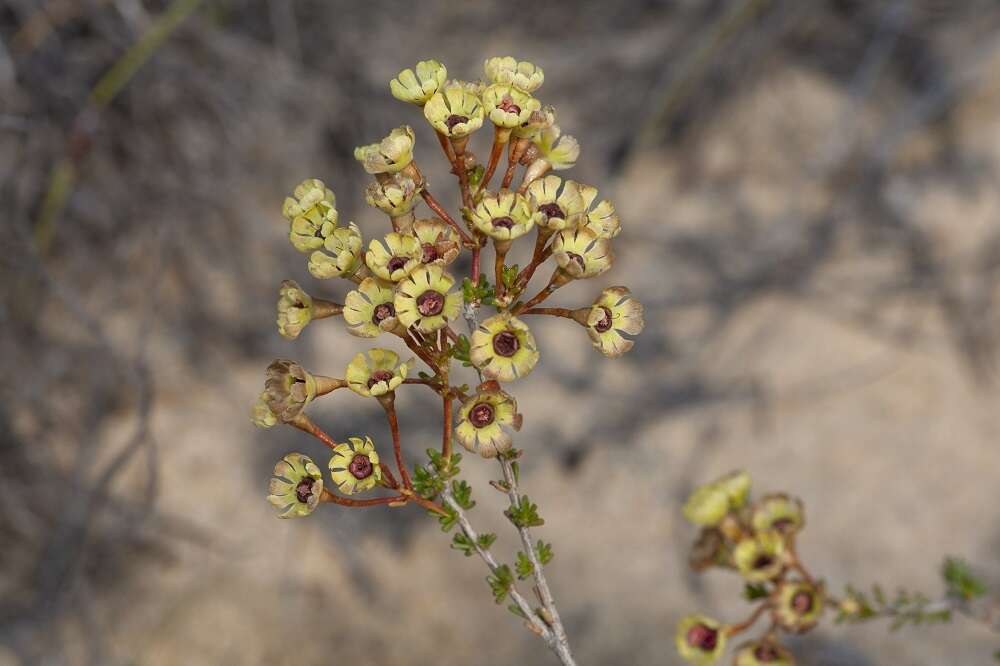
[(500, 582), (524, 513), (449, 519), (486, 540), (509, 275), (518, 612), (523, 566), (960, 580), (462, 543), (544, 551), (755, 591), (462, 492)]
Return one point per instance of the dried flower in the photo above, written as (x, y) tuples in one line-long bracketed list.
[(424, 300), (503, 216), (503, 348), (603, 220), (369, 309), (798, 605), (454, 111), (288, 389), (296, 487), (395, 263), (261, 414), (524, 76), (354, 466), (485, 421), (763, 652), (761, 557), (707, 550), (778, 511), (700, 639), (418, 87), (613, 313), (581, 254), (391, 154), (395, 197), (294, 309), (340, 256), (377, 374), (439, 242)]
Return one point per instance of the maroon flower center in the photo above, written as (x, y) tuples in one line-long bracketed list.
[(605, 323), (802, 602), (763, 561), (382, 312), (702, 636), (379, 376), (783, 524), (503, 222), (361, 467), (552, 210), (430, 253), (578, 259), (766, 653), (506, 343), (396, 263), (455, 119), (508, 105), (303, 490), (482, 415), (430, 303)]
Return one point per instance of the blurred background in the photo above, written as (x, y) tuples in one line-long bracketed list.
[(809, 195)]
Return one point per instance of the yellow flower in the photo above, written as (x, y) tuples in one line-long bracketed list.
[(340, 256), (418, 87), (507, 106), (707, 505), (613, 313), (780, 512), (503, 216), (439, 241), (396, 262), (423, 299), (395, 197), (391, 154), (761, 557), (523, 75), (485, 421), (376, 375), (503, 348), (700, 639), (763, 652), (557, 209), (354, 466), (798, 605), (454, 112), (369, 309), (288, 388), (581, 254), (559, 151), (296, 487), (261, 414), (312, 212), (603, 220), (294, 309), (539, 120), (737, 486)]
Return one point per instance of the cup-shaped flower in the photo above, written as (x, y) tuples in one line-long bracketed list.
[(454, 111), (559, 205), (485, 421), (503, 216), (603, 220), (708, 550), (700, 639), (312, 212), (394, 197), (294, 309), (760, 557), (503, 348), (737, 486), (763, 652), (508, 107), (391, 154), (296, 487), (261, 414), (439, 243), (707, 505), (376, 374), (354, 466), (288, 388), (369, 309), (558, 150), (340, 256), (797, 605), (539, 120), (424, 299), (581, 254), (418, 86), (523, 75), (778, 511), (396, 259), (614, 312)]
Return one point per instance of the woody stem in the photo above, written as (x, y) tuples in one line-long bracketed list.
[(388, 403)]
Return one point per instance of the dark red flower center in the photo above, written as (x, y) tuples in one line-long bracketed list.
[(766, 653), (361, 467), (702, 636), (578, 259), (482, 415), (430, 253), (783, 524), (605, 322), (396, 263), (508, 105), (382, 312), (503, 222), (303, 490), (430, 303), (506, 343), (802, 602), (763, 561), (455, 119), (552, 210), (379, 376)]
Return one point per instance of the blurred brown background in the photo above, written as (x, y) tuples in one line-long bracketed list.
[(809, 193)]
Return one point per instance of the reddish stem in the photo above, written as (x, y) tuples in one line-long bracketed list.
[(327, 496), (306, 424), (433, 204), (390, 480), (556, 312), (749, 622), (491, 168), (390, 411)]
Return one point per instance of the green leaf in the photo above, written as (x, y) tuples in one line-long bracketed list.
[(544, 551), (449, 519), (755, 591), (960, 580), (509, 275), (524, 513), (515, 468), (523, 566), (462, 543), (518, 612), (486, 540), (482, 292), (460, 350), (462, 492), (500, 582)]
